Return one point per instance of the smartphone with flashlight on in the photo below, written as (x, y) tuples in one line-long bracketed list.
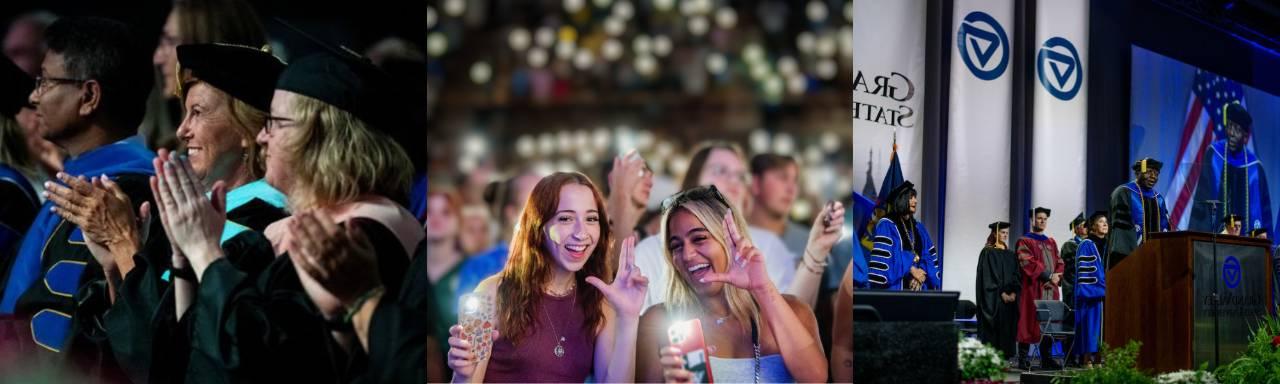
[(475, 315), (687, 337)]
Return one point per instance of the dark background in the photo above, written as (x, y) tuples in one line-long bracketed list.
[(355, 24)]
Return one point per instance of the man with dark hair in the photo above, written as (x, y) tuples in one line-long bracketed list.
[(89, 98), (1042, 270), (1232, 224), (773, 190)]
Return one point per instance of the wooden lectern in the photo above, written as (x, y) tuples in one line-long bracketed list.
[(1162, 295)]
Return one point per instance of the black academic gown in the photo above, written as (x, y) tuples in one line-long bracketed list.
[(398, 332), (266, 329), (143, 324), (1068, 254), (18, 207), (997, 320)]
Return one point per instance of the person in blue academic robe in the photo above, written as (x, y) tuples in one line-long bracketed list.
[(1232, 174), (902, 256), (1136, 210), (1090, 288)]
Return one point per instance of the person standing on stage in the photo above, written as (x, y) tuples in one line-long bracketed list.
[(1068, 254), (1041, 269), (1136, 209), (997, 289), (1090, 287), (903, 257)]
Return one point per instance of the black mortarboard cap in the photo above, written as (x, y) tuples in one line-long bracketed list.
[(998, 225), (1151, 164), (1076, 221), (1096, 214), (1037, 210), (348, 81), (899, 190), (16, 86), (245, 73), (1237, 114)]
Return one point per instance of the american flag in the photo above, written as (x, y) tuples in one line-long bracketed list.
[(1210, 92)]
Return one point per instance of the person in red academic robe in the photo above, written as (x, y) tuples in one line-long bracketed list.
[(1041, 270)]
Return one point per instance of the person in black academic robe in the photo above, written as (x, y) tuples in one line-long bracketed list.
[(1136, 210), (281, 326), (997, 289)]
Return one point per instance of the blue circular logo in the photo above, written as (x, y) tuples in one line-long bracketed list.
[(1066, 73), (1231, 272), (982, 44)]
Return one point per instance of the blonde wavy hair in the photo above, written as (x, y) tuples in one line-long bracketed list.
[(246, 120), (339, 158), (682, 300)]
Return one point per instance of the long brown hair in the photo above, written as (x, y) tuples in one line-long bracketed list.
[(529, 265), (699, 161)]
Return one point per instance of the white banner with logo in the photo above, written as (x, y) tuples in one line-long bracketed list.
[(888, 89), (978, 137), (1061, 99)]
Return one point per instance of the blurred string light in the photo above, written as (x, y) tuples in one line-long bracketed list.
[(642, 45), (564, 141), (787, 65), (848, 11), (581, 139), (772, 87), (526, 146), (829, 141), (614, 26), (661, 45), (716, 63), (726, 18), (812, 155), (573, 6), (646, 65), (644, 140), (663, 5), (825, 46), (437, 44), (481, 72), (565, 50), (474, 145), (602, 3), (816, 10), (698, 25), (760, 71), (583, 60), (455, 8), (431, 17), (663, 149), (537, 57), (519, 39), (825, 69), (600, 138), (805, 42), (611, 50), (545, 37), (846, 42), (624, 10), (759, 141), (801, 209), (784, 144), (546, 144), (692, 8), (797, 84), (624, 138), (752, 53), (586, 159)]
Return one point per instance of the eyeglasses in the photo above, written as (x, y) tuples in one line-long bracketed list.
[(694, 194), (723, 172), (43, 83)]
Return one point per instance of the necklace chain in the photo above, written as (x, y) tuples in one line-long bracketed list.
[(558, 351)]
